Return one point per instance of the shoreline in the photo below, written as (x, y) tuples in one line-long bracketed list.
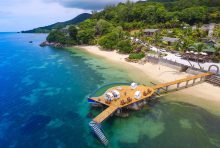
[(203, 95)]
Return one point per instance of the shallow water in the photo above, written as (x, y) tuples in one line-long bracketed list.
[(43, 103)]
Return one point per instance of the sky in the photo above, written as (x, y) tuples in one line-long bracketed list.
[(18, 15)]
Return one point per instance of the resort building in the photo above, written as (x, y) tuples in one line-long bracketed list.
[(150, 32), (169, 40), (214, 43), (209, 28)]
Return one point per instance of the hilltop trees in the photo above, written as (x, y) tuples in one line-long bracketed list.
[(73, 32), (86, 33), (193, 15), (103, 27), (170, 14), (109, 41)]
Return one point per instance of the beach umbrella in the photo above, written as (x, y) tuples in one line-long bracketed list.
[(191, 51)]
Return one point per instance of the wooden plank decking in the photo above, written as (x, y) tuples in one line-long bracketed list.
[(125, 92), (105, 114), (162, 85)]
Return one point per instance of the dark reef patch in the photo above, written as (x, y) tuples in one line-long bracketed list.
[(71, 115), (35, 123)]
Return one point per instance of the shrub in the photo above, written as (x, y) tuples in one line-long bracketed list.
[(86, 36), (103, 27), (216, 59), (124, 46), (109, 41), (137, 55)]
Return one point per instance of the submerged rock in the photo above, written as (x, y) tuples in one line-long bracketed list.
[(90, 115), (35, 123), (55, 123), (123, 115)]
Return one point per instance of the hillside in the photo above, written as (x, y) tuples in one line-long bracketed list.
[(161, 14), (80, 18)]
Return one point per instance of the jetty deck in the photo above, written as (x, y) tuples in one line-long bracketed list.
[(146, 92), (187, 79), (125, 92), (105, 114)]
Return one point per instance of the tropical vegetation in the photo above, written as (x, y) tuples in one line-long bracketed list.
[(113, 27)]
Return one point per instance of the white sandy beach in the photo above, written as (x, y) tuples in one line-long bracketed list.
[(204, 95)]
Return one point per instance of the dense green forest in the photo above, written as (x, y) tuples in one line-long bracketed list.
[(112, 27), (161, 14)]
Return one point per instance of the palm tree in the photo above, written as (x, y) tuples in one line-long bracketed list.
[(186, 44), (199, 47), (178, 46), (217, 50), (149, 40), (157, 38)]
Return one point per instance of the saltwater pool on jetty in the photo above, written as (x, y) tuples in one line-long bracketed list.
[(43, 103)]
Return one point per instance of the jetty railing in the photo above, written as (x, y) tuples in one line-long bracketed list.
[(113, 83)]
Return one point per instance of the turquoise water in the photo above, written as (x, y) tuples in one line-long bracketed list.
[(43, 103)]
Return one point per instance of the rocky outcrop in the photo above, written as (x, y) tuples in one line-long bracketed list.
[(52, 44)]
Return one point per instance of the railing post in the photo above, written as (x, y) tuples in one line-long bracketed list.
[(178, 85), (118, 111), (187, 82), (201, 78), (167, 87), (194, 80), (158, 91)]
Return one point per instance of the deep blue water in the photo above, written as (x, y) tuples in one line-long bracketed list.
[(43, 103), (40, 86)]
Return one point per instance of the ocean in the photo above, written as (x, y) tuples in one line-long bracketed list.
[(43, 103)]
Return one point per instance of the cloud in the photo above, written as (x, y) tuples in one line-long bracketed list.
[(87, 4), (17, 15)]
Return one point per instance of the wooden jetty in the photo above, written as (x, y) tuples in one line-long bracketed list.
[(127, 93)]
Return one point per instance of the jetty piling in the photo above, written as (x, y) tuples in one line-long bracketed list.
[(187, 83), (194, 80), (178, 86)]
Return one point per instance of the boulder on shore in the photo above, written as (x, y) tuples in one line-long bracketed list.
[(52, 44)]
